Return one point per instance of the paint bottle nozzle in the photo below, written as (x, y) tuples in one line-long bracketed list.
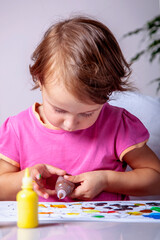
[(63, 187), (27, 181), (61, 194)]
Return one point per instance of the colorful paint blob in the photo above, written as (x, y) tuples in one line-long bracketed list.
[(41, 205), (45, 212), (135, 213), (98, 216), (58, 206), (129, 211), (156, 209), (146, 211), (153, 215)]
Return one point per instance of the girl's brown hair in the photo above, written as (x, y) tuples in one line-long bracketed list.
[(84, 55)]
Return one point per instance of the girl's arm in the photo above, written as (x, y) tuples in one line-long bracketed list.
[(11, 179), (143, 179)]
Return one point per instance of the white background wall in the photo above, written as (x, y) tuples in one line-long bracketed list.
[(23, 22)]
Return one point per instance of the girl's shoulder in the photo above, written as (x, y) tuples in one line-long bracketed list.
[(18, 121), (21, 117), (115, 117), (117, 113), (110, 113)]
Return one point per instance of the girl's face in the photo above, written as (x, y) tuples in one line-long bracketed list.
[(61, 109)]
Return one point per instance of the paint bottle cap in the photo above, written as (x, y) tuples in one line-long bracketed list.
[(27, 180), (61, 194)]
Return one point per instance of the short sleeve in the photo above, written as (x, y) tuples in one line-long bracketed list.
[(9, 143), (131, 134)]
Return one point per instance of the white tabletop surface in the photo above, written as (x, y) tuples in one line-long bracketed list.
[(82, 231), (148, 229)]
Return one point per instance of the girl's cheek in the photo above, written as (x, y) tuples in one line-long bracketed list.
[(56, 121)]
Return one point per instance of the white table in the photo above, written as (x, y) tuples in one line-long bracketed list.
[(82, 231), (111, 228)]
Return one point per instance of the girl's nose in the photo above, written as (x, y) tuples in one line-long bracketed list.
[(70, 124)]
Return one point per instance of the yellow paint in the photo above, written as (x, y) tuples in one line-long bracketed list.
[(27, 204), (42, 205), (45, 212), (135, 213), (92, 211), (73, 213), (139, 204), (58, 206)]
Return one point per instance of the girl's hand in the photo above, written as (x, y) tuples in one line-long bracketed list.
[(40, 174), (89, 184)]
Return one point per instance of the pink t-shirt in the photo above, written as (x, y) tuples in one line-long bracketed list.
[(26, 141)]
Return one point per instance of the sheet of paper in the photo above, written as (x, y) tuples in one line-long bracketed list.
[(121, 211)]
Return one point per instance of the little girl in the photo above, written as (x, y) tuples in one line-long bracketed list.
[(75, 132)]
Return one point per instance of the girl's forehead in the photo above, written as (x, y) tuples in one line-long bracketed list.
[(60, 97)]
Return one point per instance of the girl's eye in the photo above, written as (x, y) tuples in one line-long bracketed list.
[(86, 114), (59, 110)]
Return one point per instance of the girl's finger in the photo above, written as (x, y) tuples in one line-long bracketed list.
[(35, 174), (78, 192), (74, 179), (45, 193), (42, 193), (50, 192), (54, 170), (38, 184)]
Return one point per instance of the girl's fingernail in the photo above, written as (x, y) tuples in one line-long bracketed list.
[(46, 196), (38, 176), (34, 187)]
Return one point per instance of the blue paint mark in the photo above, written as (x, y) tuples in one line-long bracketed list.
[(153, 215)]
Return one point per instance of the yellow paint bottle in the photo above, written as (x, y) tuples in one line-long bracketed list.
[(27, 204)]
